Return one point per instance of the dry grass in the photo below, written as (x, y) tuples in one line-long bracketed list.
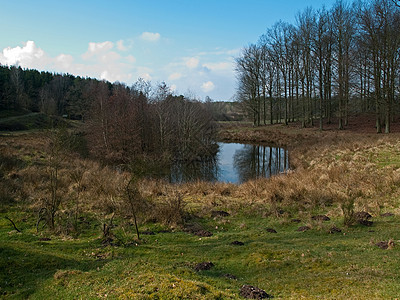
[(328, 176), (332, 171)]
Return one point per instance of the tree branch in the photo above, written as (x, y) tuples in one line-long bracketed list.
[(12, 222)]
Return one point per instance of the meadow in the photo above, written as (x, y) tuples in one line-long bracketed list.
[(305, 234)]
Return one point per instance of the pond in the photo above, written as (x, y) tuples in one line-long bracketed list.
[(234, 163)]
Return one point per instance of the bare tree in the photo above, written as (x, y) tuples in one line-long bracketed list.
[(379, 24), (306, 21), (248, 69)]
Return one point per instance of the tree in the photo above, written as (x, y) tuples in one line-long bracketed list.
[(306, 21), (248, 69), (322, 47), (16, 78), (343, 30), (379, 24)]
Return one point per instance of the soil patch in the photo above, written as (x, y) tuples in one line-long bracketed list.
[(203, 233), (230, 276), (252, 292), (196, 229), (362, 218), (237, 243), (203, 266), (385, 244), (320, 218), (303, 228), (334, 229), (219, 213)]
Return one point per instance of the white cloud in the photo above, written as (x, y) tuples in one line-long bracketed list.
[(26, 56), (146, 76), (64, 60), (192, 62), (150, 36), (131, 59), (220, 66), (121, 46), (173, 87), (208, 86), (99, 61), (175, 76), (144, 72), (210, 74), (97, 48)]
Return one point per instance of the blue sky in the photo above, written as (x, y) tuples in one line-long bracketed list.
[(189, 44)]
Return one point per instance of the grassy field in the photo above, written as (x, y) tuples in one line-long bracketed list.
[(337, 174)]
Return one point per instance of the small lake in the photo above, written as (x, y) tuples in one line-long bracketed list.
[(234, 163)]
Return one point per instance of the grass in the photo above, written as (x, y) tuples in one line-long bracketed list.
[(288, 265), (29, 121)]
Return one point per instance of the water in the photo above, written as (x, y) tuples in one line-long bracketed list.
[(235, 163)]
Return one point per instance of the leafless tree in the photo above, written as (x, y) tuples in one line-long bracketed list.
[(379, 24), (248, 69)]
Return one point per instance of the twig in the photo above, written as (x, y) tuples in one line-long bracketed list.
[(12, 222)]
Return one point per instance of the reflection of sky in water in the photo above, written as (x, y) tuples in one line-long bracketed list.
[(235, 163), (227, 172)]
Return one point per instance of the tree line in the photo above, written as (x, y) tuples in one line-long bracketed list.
[(331, 63), (121, 124)]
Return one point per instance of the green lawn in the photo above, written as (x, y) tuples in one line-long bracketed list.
[(288, 264)]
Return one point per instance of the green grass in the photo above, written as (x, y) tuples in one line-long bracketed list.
[(388, 158), (29, 121), (289, 264)]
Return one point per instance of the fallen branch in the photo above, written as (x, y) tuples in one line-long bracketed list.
[(12, 222)]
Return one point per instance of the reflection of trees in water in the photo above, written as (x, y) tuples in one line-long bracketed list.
[(205, 170), (251, 161), (255, 161)]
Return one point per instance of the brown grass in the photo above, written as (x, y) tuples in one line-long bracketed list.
[(331, 169)]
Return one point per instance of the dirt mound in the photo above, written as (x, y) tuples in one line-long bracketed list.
[(303, 228), (219, 213), (362, 215), (203, 266), (334, 229), (237, 243), (203, 233), (362, 218), (230, 276), (320, 218), (385, 244), (252, 292), (196, 229)]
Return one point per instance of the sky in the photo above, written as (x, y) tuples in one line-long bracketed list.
[(190, 45)]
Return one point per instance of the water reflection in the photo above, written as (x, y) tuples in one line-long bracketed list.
[(256, 161), (235, 163), (206, 170)]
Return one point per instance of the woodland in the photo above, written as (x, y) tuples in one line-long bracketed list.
[(333, 63), (120, 123)]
